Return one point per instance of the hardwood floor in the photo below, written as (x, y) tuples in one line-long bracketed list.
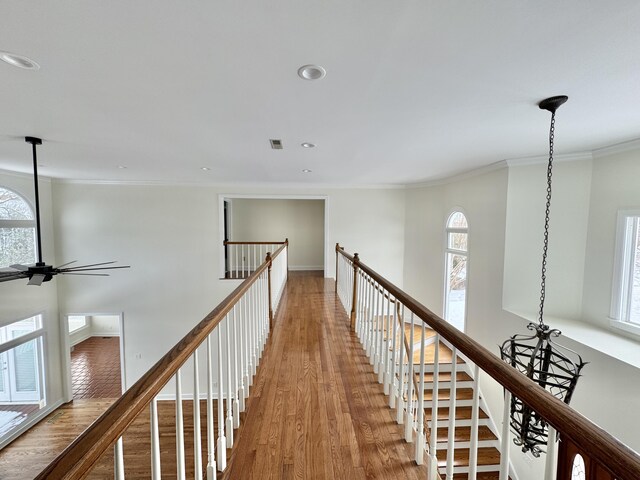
[(316, 410)]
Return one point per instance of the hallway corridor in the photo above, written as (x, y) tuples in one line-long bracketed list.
[(316, 408)]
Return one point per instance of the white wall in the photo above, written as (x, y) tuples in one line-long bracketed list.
[(97, 326), (615, 186), (170, 237), (301, 221), (607, 382), (567, 238)]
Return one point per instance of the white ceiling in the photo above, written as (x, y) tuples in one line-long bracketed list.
[(415, 90)]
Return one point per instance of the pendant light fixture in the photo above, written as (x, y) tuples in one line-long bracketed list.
[(554, 367), (41, 272)]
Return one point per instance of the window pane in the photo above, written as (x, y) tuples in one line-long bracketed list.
[(13, 207), (24, 357), (634, 311), (578, 471), (456, 289), (457, 220), (458, 241), (76, 322), (17, 245), (20, 328)]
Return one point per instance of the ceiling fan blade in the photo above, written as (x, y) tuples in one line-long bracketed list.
[(36, 279), (80, 269), (65, 264), (86, 274), (17, 266), (8, 276), (91, 265)]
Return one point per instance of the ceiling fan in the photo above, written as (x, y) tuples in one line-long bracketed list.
[(41, 272)]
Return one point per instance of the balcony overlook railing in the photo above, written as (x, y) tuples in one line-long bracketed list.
[(242, 258), (381, 314), (232, 338)]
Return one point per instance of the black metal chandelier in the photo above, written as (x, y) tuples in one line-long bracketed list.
[(554, 367)]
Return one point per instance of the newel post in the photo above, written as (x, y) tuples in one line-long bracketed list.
[(356, 262), (286, 242), (337, 250), (268, 260)]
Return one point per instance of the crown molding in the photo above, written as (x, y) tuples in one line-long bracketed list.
[(617, 148), (22, 175), (544, 159), (259, 186), (492, 167)]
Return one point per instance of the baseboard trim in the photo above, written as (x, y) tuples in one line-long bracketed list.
[(305, 267)]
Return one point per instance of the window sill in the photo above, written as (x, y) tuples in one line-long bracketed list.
[(620, 346), (626, 327)]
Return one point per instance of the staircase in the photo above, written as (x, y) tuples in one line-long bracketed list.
[(488, 455)]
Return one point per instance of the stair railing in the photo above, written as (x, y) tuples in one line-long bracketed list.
[(361, 290), (239, 326), (242, 258)]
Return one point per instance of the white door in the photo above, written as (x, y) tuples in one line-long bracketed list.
[(24, 376), (4, 378)]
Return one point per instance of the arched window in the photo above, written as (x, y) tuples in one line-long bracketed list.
[(578, 472), (456, 257), (17, 230)]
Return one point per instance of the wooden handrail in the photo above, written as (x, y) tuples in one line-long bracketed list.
[(227, 242), (76, 460), (608, 451)]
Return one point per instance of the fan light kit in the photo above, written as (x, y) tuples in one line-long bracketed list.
[(306, 170), (19, 61), (308, 145), (205, 169), (41, 272), (311, 72)]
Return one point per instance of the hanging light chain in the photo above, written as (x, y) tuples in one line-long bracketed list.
[(546, 221)]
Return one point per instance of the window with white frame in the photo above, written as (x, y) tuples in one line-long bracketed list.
[(22, 381), (76, 322), (456, 258), (625, 304), (17, 230)]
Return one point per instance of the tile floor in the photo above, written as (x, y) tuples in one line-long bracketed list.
[(95, 368)]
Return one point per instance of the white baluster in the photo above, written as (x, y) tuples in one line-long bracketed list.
[(376, 339), (118, 459), (371, 343), (551, 457), (401, 375), (420, 436), (236, 372), (393, 390), (475, 414), (197, 434), (211, 459), (254, 331), (452, 413), (156, 472), (433, 447), (506, 437), (246, 326), (180, 463), (408, 424), (227, 365), (221, 446), (387, 336)]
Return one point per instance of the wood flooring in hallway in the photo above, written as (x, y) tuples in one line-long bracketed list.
[(317, 410)]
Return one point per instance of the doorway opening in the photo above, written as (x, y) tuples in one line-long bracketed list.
[(95, 356), (272, 218)]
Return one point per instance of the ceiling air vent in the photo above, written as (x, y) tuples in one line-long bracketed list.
[(276, 144)]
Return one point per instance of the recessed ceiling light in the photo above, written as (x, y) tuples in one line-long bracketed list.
[(19, 61), (121, 167), (311, 72), (308, 145), (205, 169), (306, 170)]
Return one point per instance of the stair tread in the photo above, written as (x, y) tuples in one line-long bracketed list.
[(479, 476), (486, 456), (463, 434), (445, 394), (462, 413), (446, 377)]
